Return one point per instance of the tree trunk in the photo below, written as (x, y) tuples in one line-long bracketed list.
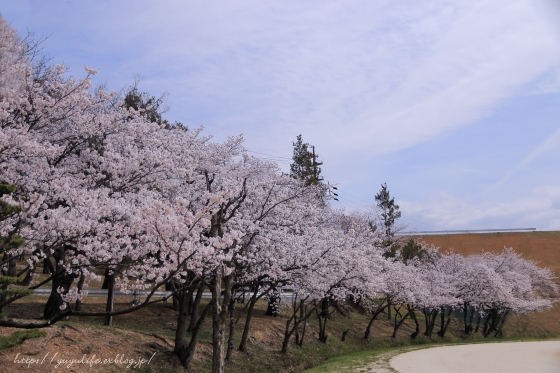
[(368, 329), (61, 279), (478, 319), (11, 270), (296, 323), (433, 320), (180, 348), (80, 287), (170, 286), (231, 309), (413, 315), (445, 325), (430, 321), (110, 298), (105, 284), (377, 311), (195, 307), (398, 324), (471, 318), (465, 316), (243, 344), (46, 269), (185, 352), (191, 348), (304, 326), (287, 335), (499, 330), (52, 307), (493, 322), (219, 316), (485, 327), (273, 300), (323, 317)]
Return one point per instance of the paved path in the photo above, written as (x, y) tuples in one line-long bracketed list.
[(510, 357)]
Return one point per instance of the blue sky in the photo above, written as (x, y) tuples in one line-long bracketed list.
[(454, 104)]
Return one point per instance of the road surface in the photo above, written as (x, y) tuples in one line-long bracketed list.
[(507, 357), (286, 296)]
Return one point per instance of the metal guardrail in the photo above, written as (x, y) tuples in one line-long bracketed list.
[(157, 294), (411, 233), (103, 292)]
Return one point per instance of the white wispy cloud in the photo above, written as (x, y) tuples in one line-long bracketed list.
[(547, 84), (550, 145), (373, 77), (363, 81), (540, 209)]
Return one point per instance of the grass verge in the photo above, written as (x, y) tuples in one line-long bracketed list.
[(382, 355), (19, 337)]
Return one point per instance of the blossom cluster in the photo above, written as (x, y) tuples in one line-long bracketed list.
[(104, 190)]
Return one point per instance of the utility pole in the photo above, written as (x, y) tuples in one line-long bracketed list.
[(306, 165), (329, 187), (315, 164)]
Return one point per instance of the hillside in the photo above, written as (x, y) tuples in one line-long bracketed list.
[(151, 330), (543, 247)]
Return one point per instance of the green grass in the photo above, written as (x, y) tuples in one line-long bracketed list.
[(335, 355), (350, 362), (19, 337), (148, 369)]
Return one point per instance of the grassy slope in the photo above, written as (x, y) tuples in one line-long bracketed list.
[(543, 247), (136, 334), (141, 332), (19, 336)]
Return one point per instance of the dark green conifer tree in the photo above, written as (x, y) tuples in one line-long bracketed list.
[(305, 164), (8, 243), (389, 214)]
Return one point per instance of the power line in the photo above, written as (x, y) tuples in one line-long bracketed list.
[(472, 231), (355, 205), (404, 218), (288, 160), (229, 130), (270, 155), (273, 160)]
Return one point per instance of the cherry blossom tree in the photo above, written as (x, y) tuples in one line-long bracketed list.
[(519, 286), (84, 167), (343, 260), (92, 184)]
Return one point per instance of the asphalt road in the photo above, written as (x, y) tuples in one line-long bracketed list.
[(103, 293), (508, 357)]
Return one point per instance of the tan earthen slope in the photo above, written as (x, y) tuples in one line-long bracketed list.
[(543, 247)]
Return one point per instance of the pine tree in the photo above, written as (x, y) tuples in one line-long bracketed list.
[(305, 165), (389, 214), (412, 249), (12, 241), (150, 107), (7, 244)]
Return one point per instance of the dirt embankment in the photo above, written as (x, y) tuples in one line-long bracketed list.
[(543, 247), (135, 337)]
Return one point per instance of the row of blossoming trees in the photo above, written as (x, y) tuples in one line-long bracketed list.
[(97, 189)]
